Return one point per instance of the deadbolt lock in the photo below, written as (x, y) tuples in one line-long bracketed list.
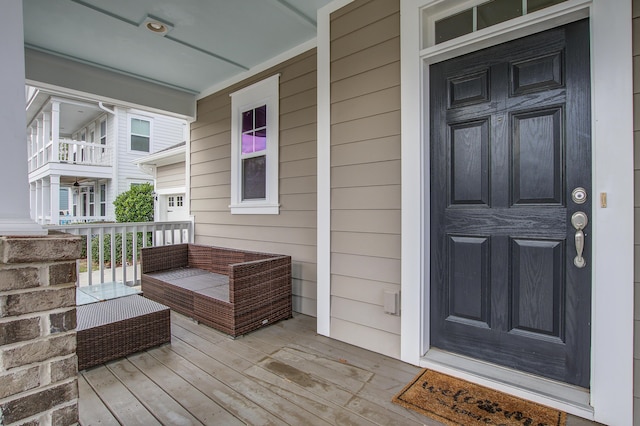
[(579, 195)]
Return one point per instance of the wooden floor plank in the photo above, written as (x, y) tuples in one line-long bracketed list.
[(286, 335), (341, 374), (236, 403), (302, 395), (91, 409), (281, 374), (227, 372), (195, 402), (374, 410), (230, 359), (155, 399), (251, 353), (118, 399)]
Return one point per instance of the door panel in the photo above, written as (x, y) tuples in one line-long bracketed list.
[(470, 159), (536, 157), (510, 140), (538, 286)]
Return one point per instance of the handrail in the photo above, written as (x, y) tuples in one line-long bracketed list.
[(150, 234)]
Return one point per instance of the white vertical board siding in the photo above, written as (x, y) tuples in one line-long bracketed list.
[(365, 173), (165, 132), (293, 231)]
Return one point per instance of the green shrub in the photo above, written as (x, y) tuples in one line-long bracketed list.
[(135, 205)]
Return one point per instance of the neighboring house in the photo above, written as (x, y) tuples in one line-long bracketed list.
[(169, 171), (454, 181), (80, 154)]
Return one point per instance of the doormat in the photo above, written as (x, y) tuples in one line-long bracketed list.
[(456, 402)]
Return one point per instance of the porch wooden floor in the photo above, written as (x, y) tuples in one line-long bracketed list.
[(282, 374)]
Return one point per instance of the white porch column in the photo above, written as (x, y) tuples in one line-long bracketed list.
[(55, 131), (33, 201), (14, 215), (29, 146), (46, 201), (46, 138), (39, 207), (54, 190), (34, 148), (40, 140)]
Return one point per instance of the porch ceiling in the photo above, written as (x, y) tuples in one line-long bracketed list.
[(209, 42)]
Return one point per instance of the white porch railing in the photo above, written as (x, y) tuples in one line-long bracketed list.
[(77, 220), (71, 152), (77, 152), (123, 258)]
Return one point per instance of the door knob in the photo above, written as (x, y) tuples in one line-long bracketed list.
[(579, 221)]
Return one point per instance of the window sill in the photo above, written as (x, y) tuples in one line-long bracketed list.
[(255, 208)]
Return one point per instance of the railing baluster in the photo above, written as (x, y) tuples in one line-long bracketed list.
[(113, 254), (124, 254), (134, 254), (101, 253), (89, 258)]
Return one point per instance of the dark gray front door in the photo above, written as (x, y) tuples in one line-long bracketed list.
[(510, 141)]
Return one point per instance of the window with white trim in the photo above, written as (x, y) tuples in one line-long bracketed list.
[(103, 199), (254, 148), (140, 134), (103, 132)]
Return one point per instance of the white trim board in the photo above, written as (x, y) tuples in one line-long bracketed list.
[(323, 293), (611, 390)]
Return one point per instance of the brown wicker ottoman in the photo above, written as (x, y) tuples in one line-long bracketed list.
[(119, 327)]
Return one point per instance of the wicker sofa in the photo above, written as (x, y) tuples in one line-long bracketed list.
[(234, 291)]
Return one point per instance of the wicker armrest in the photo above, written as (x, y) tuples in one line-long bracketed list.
[(258, 276)]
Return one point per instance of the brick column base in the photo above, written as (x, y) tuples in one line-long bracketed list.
[(38, 364)]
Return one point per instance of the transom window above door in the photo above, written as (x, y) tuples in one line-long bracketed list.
[(469, 18)]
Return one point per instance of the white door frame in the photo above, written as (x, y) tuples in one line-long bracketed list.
[(611, 393)]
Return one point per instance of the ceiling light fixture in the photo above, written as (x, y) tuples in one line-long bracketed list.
[(155, 25)]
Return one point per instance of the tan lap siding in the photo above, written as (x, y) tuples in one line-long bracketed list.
[(293, 231), (170, 176), (365, 173)]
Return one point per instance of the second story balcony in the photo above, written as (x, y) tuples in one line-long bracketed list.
[(68, 151)]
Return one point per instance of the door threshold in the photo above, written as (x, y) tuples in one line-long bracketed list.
[(562, 396)]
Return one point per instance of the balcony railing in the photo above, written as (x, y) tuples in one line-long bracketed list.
[(72, 152), (109, 260), (77, 152), (75, 220)]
